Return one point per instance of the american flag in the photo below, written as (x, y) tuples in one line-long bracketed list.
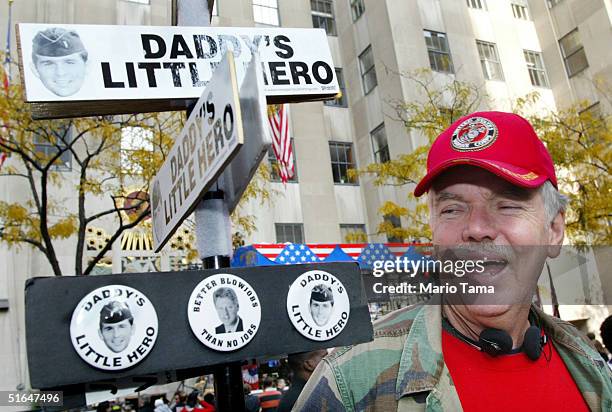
[(316, 252), (6, 78), (281, 141)]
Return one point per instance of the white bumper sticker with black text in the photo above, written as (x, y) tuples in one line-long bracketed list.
[(318, 305), (224, 312), (114, 327)]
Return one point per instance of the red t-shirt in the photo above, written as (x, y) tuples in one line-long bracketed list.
[(510, 382)]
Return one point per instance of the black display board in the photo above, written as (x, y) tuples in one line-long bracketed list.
[(177, 353)]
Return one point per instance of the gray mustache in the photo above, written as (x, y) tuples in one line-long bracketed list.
[(474, 251)]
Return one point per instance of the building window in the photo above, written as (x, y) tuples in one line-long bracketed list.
[(273, 162), (573, 53), (289, 232), (592, 121), (476, 4), (323, 16), (340, 101), (48, 146), (520, 11), (396, 223), (368, 72), (266, 12), (353, 233), (380, 145), (439, 54), (140, 1), (535, 66), (342, 159), (489, 60), (357, 9)]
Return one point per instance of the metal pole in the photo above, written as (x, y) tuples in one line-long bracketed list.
[(213, 231), (214, 244)]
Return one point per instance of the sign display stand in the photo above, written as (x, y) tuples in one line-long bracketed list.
[(125, 326), (213, 232)]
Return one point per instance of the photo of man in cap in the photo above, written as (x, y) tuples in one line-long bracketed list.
[(116, 325), (321, 304), (492, 189), (59, 60), (226, 304)]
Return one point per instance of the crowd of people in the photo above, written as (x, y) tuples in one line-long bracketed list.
[(276, 393)]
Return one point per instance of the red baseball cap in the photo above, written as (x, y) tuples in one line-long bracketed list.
[(502, 143)]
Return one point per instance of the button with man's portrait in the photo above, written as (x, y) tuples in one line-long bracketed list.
[(114, 327), (318, 305), (224, 312)]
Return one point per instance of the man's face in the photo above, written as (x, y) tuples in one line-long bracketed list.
[(116, 335), (62, 75), (320, 311), (492, 220), (227, 310)]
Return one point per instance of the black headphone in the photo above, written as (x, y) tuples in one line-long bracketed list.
[(499, 342)]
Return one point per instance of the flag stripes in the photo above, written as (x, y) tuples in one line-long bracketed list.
[(281, 141)]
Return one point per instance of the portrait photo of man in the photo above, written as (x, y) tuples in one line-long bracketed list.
[(116, 325), (321, 304), (226, 304), (59, 60)]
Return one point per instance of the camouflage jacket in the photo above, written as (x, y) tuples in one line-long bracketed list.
[(403, 369)]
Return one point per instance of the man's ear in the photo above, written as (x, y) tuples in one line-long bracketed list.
[(309, 365), (100, 334), (556, 234)]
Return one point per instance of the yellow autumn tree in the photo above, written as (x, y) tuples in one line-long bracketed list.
[(42, 151), (579, 139), (111, 160)]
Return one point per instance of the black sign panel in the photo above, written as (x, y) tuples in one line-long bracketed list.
[(50, 302)]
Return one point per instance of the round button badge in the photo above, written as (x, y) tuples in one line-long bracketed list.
[(114, 327), (318, 305), (224, 312)]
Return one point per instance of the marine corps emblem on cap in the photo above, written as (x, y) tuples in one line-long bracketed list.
[(475, 133)]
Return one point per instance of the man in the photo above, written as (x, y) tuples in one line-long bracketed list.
[(160, 406), (226, 304), (269, 399), (251, 402), (116, 325), (59, 60), (493, 192), (321, 304), (302, 365)]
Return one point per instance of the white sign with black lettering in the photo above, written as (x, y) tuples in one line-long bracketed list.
[(224, 312), (114, 327), (75, 62), (212, 135), (318, 305)]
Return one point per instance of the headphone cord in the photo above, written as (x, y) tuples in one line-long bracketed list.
[(544, 339), (474, 337)]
